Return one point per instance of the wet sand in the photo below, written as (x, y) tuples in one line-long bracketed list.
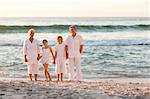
[(87, 89)]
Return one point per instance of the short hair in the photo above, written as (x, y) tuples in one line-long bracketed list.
[(44, 41), (60, 37), (73, 27), (31, 30)]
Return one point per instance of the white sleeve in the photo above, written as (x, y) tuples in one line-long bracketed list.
[(38, 48), (25, 48), (81, 40)]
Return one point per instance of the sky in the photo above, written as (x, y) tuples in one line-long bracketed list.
[(74, 8)]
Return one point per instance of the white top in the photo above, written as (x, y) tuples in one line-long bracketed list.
[(45, 55), (60, 49), (74, 45), (31, 50)]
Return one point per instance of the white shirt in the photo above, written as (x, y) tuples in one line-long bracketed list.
[(74, 45), (60, 49), (31, 50)]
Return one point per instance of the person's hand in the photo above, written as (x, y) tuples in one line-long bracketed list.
[(25, 60), (66, 55), (54, 62), (38, 58)]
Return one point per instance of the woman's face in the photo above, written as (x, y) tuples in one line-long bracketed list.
[(45, 43)]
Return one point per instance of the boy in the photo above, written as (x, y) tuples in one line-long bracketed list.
[(60, 58)]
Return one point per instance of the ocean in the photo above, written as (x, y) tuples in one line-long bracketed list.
[(114, 47)]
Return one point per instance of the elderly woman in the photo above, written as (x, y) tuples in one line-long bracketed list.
[(74, 47), (32, 54)]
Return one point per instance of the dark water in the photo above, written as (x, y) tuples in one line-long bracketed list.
[(81, 28)]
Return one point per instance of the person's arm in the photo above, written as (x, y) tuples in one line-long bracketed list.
[(66, 51), (55, 57), (39, 56), (25, 52), (66, 48), (38, 50), (81, 45), (25, 58), (81, 48), (52, 53)]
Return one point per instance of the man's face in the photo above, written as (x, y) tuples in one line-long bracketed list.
[(72, 30), (31, 34)]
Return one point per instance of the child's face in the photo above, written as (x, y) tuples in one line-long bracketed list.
[(45, 43), (59, 40)]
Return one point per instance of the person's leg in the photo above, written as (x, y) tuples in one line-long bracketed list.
[(35, 76), (63, 67), (58, 67), (78, 68), (49, 76), (61, 76), (36, 70), (30, 77), (30, 72), (45, 72), (71, 68), (57, 77)]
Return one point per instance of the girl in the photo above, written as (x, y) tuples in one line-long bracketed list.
[(60, 57), (46, 51)]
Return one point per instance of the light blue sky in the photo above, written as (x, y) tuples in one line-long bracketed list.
[(74, 8)]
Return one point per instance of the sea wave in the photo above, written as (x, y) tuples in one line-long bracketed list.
[(95, 43), (81, 28)]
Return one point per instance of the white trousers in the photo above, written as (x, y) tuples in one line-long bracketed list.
[(60, 66), (33, 68), (75, 61)]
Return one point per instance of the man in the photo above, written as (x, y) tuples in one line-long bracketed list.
[(32, 54), (74, 47)]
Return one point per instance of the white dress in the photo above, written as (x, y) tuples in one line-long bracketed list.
[(45, 55)]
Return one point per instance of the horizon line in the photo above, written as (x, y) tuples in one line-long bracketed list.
[(77, 17)]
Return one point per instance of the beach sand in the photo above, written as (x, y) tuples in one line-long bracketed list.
[(87, 89)]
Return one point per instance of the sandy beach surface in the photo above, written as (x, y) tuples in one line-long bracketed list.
[(87, 89)]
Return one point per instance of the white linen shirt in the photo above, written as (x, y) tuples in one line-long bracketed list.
[(31, 50), (74, 45)]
